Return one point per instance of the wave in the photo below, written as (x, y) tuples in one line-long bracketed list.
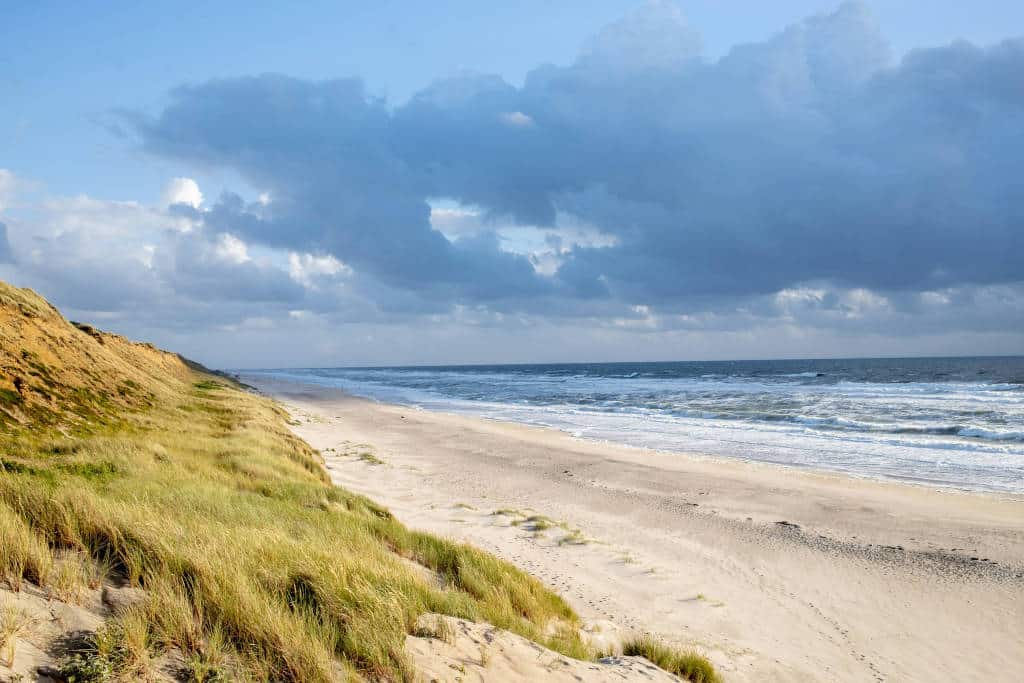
[(842, 423), (989, 435)]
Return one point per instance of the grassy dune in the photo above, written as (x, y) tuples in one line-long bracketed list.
[(123, 465), (254, 565), (228, 523)]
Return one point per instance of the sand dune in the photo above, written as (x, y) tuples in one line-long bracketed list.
[(776, 574)]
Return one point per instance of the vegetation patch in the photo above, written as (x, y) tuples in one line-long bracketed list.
[(687, 665), (292, 578), (369, 458), (13, 622)]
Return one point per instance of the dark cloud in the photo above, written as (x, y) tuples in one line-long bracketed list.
[(808, 157), (804, 157), (325, 153)]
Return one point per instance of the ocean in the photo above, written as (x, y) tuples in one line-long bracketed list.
[(950, 422)]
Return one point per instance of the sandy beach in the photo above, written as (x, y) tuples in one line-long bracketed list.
[(776, 574)]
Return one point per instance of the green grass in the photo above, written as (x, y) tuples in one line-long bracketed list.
[(255, 567), (689, 666)]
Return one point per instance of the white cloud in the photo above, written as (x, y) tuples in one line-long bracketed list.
[(231, 249), (182, 191), (516, 119), (305, 268), (455, 221)]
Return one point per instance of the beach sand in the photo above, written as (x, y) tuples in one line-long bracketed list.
[(776, 574)]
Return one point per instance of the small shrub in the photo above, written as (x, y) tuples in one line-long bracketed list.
[(118, 651)]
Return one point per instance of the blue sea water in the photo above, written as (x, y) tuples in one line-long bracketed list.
[(955, 422)]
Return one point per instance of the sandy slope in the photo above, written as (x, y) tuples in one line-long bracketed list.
[(481, 653), (876, 583)]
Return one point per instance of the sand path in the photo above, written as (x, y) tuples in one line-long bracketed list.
[(877, 581)]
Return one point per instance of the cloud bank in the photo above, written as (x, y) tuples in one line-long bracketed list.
[(808, 182)]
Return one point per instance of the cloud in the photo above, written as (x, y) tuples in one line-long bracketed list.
[(221, 269), (308, 269), (807, 156), (655, 36), (335, 182), (516, 119), (123, 259), (182, 191)]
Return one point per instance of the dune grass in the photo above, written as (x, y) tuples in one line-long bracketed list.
[(254, 566), (689, 666), (12, 623)]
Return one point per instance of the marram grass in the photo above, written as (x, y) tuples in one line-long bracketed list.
[(687, 665), (255, 567)]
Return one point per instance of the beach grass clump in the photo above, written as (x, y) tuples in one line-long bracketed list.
[(688, 665), (253, 565), (24, 555), (437, 628), (13, 623), (574, 537), (535, 523), (369, 458)]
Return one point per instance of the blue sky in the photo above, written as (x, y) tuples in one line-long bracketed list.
[(568, 248)]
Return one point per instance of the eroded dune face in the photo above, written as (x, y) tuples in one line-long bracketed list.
[(54, 371)]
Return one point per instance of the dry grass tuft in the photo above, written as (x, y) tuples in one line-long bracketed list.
[(13, 623), (438, 628), (689, 666)]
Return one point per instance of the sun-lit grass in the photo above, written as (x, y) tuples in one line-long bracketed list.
[(13, 623), (254, 565), (687, 665)]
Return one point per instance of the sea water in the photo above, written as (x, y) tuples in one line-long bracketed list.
[(956, 422)]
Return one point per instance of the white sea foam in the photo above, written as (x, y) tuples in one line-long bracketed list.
[(957, 433)]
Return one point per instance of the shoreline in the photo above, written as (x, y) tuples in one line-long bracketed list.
[(777, 573), (749, 457), (701, 456)]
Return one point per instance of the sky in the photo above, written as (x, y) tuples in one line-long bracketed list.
[(464, 182)]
